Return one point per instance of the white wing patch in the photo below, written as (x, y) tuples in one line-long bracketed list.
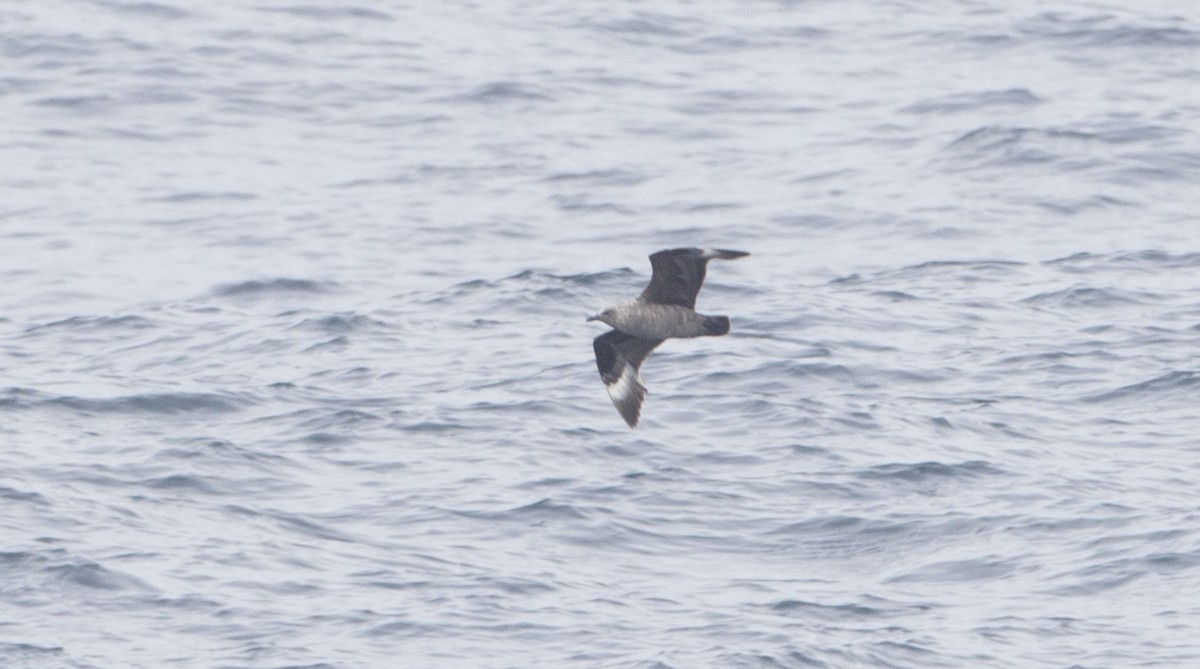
[(627, 393)]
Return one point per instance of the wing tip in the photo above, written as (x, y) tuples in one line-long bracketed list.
[(627, 393), (723, 254)]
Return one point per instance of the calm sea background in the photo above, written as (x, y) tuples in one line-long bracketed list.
[(294, 370)]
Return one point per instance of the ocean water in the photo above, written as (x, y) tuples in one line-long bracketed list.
[(294, 370)]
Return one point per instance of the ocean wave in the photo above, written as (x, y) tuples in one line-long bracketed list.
[(150, 403), (93, 576), (86, 323), (975, 569), (929, 472), (278, 286), (154, 403), (499, 92), (1089, 297), (1177, 386), (959, 102), (323, 14)]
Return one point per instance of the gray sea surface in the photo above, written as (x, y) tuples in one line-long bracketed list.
[(294, 370)]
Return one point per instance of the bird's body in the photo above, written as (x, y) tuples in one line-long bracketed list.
[(664, 310), (657, 321)]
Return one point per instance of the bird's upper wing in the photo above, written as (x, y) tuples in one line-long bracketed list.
[(679, 273), (618, 357)]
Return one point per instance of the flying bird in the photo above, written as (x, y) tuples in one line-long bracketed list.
[(664, 310)]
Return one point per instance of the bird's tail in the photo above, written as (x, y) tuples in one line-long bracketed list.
[(716, 325)]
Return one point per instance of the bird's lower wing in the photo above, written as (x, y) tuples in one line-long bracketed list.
[(619, 357)]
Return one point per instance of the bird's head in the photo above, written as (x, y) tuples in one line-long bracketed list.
[(604, 316)]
